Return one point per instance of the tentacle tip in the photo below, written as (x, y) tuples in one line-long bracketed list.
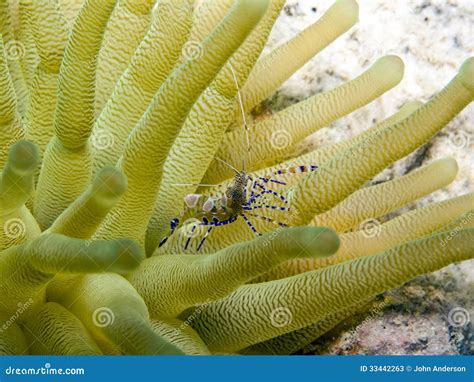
[(449, 167), (466, 74), (23, 156), (331, 240), (111, 182), (349, 9), (130, 254), (392, 67), (255, 8)]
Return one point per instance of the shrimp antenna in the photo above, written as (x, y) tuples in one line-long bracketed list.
[(227, 164), (241, 105)]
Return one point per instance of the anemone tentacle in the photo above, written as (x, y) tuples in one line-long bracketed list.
[(304, 118), (129, 329), (16, 185), (168, 109), (149, 66), (416, 223), (128, 23), (49, 35), (11, 129), (321, 292), (74, 116), (7, 32), (345, 174), (337, 20), (24, 33), (372, 202), (56, 331), (214, 276)]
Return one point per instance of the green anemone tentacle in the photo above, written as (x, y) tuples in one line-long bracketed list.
[(74, 116), (375, 201), (380, 237), (7, 32), (149, 67), (204, 128), (10, 128), (24, 33), (50, 36), (253, 310), (296, 122), (199, 279), (337, 20), (128, 24), (12, 339), (55, 331), (82, 218), (181, 334), (168, 110), (112, 311), (16, 184), (345, 173)]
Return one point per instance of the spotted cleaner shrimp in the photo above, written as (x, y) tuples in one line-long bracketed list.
[(244, 195)]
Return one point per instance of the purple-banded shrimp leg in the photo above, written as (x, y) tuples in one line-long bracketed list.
[(269, 179), (189, 238), (173, 224), (289, 170), (214, 223), (249, 223), (265, 190), (269, 206), (254, 195), (204, 238), (253, 199), (295, 169), (270, 220)]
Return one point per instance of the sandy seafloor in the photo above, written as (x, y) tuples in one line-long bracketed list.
[(433, 313)]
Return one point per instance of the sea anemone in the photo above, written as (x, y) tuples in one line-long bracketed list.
[(112, 112)]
